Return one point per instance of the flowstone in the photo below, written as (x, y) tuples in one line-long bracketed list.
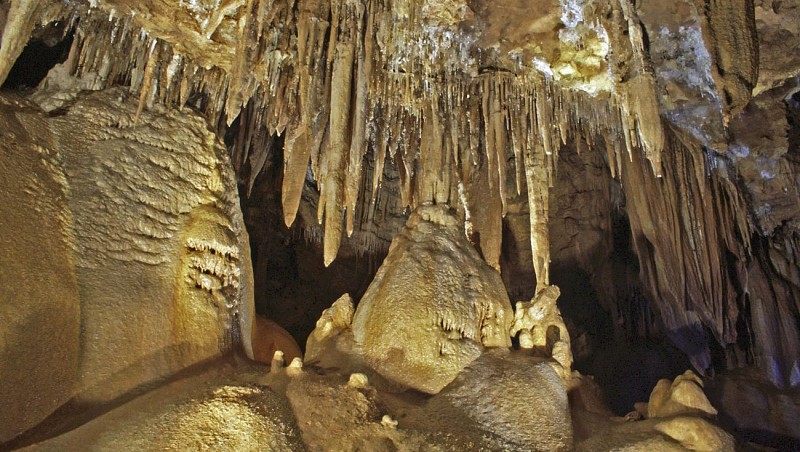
[(148, 264), (433, 305), (39, 290)]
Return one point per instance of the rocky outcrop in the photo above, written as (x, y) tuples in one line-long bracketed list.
[(157, 229), (541, 328), (518, 398), (433, 306), (214, 410), (146, 250)]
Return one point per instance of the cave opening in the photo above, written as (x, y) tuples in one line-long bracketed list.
[(48, 47), (292, 286)]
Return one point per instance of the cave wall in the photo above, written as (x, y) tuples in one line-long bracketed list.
[(125, 245)]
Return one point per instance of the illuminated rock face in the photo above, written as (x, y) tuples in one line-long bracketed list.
[(433, 305), (468, 103), (39, 301), (156, 231), (145, 251)]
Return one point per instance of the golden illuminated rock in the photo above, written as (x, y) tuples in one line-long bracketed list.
[(683, 395), (645, 150), (540, 327), (152, 235), (433, 305)]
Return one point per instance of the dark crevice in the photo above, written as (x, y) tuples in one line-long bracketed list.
[(43, 52)]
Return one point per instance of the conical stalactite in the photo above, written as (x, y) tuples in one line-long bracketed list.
[(342, 47)]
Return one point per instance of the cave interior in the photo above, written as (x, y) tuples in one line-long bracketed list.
[(400, 225)]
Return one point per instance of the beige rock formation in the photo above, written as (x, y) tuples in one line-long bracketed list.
[(684, 395), (695, 433), (516, 397), (157, 229), (334, 323), (210, 411), (540, 327), (680, 433), (360, 111), (147, 239), (433, 305)]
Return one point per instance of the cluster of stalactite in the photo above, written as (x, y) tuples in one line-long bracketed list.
[(341, 79)]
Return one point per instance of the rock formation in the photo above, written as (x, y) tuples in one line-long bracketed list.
[(639, 157), (683, 395), (433, 306), (540, 327), (140, 217), (39, 290), (268, 338)]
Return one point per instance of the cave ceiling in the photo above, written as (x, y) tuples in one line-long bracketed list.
[(469, 103)]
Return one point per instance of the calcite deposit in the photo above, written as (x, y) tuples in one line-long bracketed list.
[(144, 257), (627, 169), (433, 306)]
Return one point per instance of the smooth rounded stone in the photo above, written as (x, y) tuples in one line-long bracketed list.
[(684, 395), (206, 412), (432, 306), (679, 433), (516, 397), (39, 301)]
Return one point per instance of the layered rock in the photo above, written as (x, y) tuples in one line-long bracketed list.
[(147, 253)]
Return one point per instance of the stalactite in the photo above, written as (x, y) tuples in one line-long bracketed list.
[(336, 157), (359, 142), (340, 79)]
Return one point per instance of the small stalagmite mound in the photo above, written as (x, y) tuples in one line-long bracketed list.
[(269, 337), (433, 305), (684, 395)]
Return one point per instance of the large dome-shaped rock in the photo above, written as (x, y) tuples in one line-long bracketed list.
[(516, 397), (222, 409), (432, 305)]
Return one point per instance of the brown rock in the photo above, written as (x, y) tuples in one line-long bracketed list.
[(269, 337), (39, 301), (432, 306)]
